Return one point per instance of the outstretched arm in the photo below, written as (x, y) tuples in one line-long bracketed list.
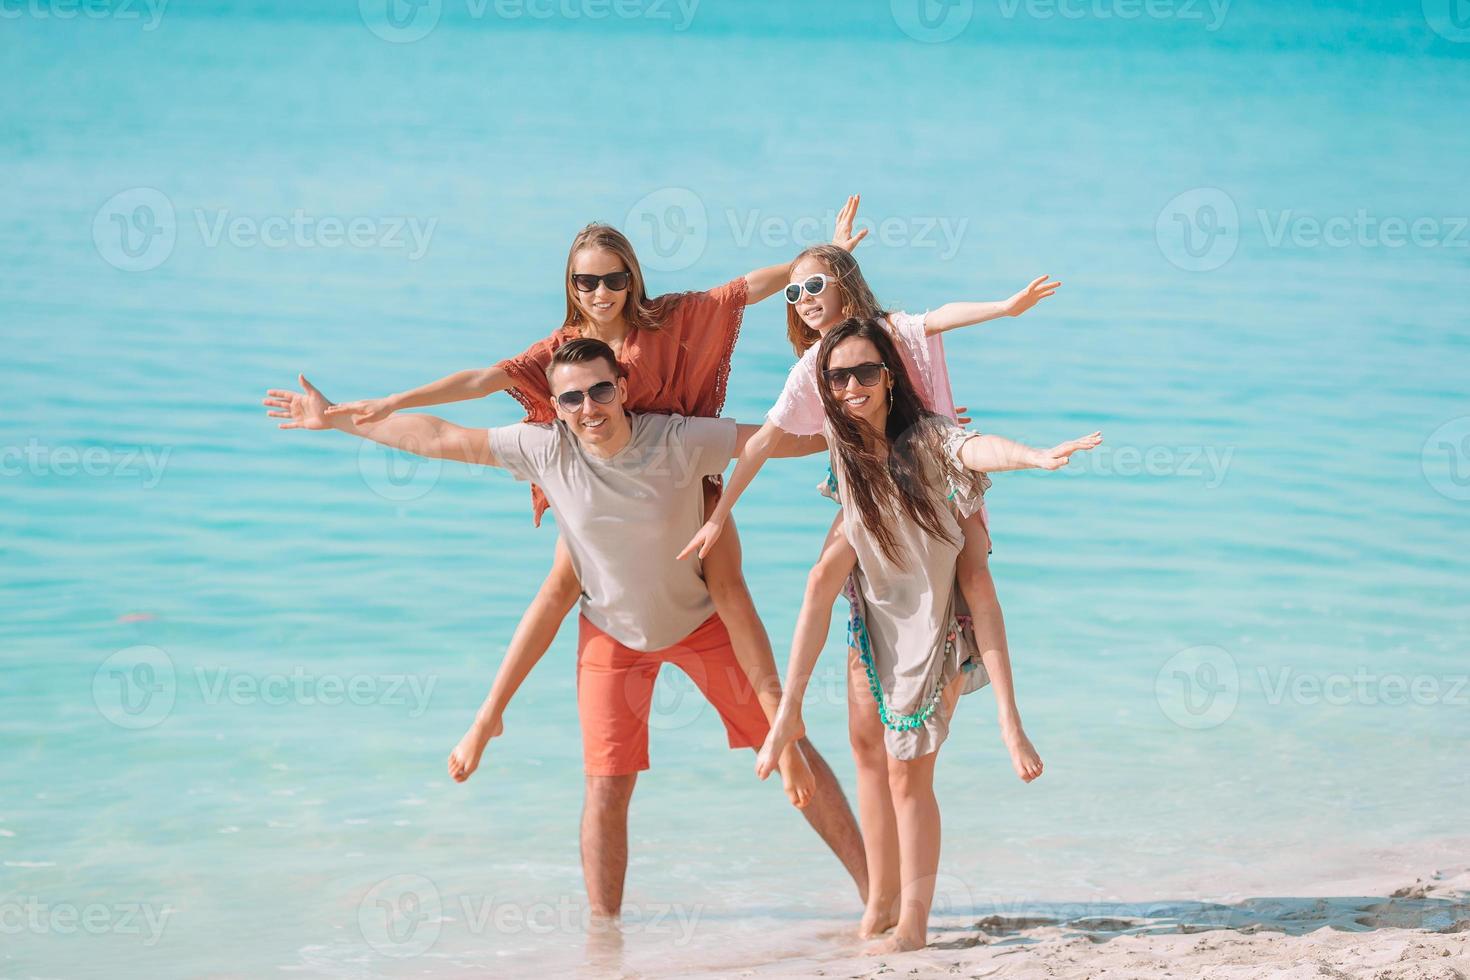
[(764, 283), (422, 435), (787, 446), (823, 586), (996, 454), (754, 448), (951, 316), (457, 387)]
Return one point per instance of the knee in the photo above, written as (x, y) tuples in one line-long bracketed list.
[(905, 779), (562, 584), (610, 794), (868, 749)]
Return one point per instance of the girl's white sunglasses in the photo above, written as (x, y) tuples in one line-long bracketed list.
[(811, 285)]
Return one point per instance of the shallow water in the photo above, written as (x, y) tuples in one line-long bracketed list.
[(234, 658)]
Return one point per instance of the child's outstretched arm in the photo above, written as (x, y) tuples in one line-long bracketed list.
[(457, 387), (753, 447), (422, 435), (996, 454), (951, 316), (823, 586)]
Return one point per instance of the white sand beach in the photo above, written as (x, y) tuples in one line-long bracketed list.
[(1419, 930)]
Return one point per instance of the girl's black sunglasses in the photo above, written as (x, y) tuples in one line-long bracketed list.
[(616, 281)]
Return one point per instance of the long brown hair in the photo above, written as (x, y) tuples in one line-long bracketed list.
[(873, 485), (857, 297), (639, 311)]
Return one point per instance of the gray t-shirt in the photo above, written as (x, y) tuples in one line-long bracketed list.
[(625, 518)]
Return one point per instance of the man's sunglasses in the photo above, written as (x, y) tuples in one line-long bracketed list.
[(812, 285), (616, 281), (867, 375), (602, 393)]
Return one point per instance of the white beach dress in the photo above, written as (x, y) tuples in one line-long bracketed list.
[(910, 625)]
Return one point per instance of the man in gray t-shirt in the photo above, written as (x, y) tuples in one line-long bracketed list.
[(627, 492), (622, 515)]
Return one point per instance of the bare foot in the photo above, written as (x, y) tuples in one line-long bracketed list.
[(1024, 758), (465, 758), (896, 943), (796, 776), (878, 918)]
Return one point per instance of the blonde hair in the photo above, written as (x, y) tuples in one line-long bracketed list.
[(858, 300), (639, 312)]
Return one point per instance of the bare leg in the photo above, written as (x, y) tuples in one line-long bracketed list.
[(752, 644), (875, 803), (533, 636), (827, 811), (973, 571), (605, 842), (916, 809)]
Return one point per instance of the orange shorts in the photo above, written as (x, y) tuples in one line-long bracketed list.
[(615, 695)]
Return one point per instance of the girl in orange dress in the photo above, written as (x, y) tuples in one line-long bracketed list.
[(676, 350)]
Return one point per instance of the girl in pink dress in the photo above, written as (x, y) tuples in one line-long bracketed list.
[(826, 287)]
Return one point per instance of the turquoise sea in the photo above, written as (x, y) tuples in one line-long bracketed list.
[(233, 659)]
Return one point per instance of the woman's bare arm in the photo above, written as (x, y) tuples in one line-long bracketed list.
[(457, 387), (997, 454)]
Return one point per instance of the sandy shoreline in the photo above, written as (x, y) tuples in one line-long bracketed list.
[(1416, 931)]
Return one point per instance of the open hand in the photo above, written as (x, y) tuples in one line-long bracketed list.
[(1057, 456), (1038, 290), (842, 235), (306, 409)]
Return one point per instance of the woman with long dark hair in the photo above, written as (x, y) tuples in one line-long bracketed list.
[(899, 537)]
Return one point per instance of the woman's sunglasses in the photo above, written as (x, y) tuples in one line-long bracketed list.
[(602, 393), (812, 285), (867, 375), (616, 281)]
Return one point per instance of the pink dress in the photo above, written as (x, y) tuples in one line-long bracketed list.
[(799, 408), (799, 411)]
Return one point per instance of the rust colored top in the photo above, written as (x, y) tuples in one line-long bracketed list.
[(679, 370)]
